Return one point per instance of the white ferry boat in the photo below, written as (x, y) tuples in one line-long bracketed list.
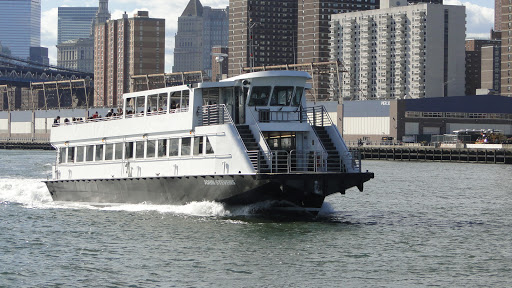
[(243, 140)]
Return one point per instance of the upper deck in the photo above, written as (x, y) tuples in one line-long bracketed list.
[(265, 97)]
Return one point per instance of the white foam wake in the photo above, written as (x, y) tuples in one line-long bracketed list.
[(32, 193), (28, 192), (204, 208)]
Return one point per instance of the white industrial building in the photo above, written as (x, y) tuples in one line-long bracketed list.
[(401, 51)]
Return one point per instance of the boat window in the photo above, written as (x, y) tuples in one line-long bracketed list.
[(281, 96), (157, 103), (128, 150), (259, 96), (179, 99), (198, 145), (89, 153), (151, 149), (299, 91), (71, 154), (185, 146), (62, 155), (281, 140), (174, 145), (118, 148), (162, 148), (209, 149), (99, 152), (139, 149), (109, 151), (80, 154), (135, 106)]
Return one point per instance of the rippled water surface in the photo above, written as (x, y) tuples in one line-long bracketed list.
[(416, 225)]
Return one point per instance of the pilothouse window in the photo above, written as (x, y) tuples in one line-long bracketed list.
[(259, 96), (299, 91), (281, 96)]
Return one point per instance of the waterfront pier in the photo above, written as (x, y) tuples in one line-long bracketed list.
[(436, 154)]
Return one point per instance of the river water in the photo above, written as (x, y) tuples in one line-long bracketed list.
[(415, 225)]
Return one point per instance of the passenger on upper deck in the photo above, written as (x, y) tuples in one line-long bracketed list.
[(95, 115)]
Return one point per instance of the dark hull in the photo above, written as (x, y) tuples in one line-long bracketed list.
[(306, 190)]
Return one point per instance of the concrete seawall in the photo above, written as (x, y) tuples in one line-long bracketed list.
[(433, 154)]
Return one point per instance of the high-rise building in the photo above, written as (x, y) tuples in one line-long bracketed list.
[(474, 62), (75, 23), (103, 15), (262, 33), (39, 55), (314, 32), (497, 15), (78, 53), (506, 47), (124, 48), (313, 40), (199, 29), (491, 68), (20, 26), (400, 51)]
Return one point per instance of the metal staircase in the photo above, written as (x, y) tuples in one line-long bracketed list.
[(334, 162), (253, 150)]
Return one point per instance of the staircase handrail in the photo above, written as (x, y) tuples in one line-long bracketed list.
[(347, 154), (265, 148), (311, 124)]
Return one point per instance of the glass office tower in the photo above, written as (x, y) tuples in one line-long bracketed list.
[(20, 26), (75, 22)]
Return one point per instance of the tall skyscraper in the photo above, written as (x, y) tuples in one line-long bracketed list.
[(124, 48), (76, 49), (404, 51), (314, 26), (75, 22), (474, 62), (199, 29), (497, 15), (262, 33), (506, 47), (20, 26), (491, 68), (103, 15)]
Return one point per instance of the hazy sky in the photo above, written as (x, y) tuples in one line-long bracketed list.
[(480, 18)]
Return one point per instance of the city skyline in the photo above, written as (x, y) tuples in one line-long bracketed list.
[(480, 17)]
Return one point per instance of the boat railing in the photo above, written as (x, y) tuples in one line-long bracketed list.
[(213, 115), (266, 116), (118, 117), (282, 161), (260, 138)]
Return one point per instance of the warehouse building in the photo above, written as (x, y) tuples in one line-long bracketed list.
[(410, 120)]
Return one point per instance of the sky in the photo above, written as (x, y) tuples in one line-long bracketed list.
[(480, 18)]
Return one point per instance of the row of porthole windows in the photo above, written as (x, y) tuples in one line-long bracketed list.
[(147, 149)]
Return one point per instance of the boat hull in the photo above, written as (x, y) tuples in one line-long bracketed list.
[(301, 189)]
